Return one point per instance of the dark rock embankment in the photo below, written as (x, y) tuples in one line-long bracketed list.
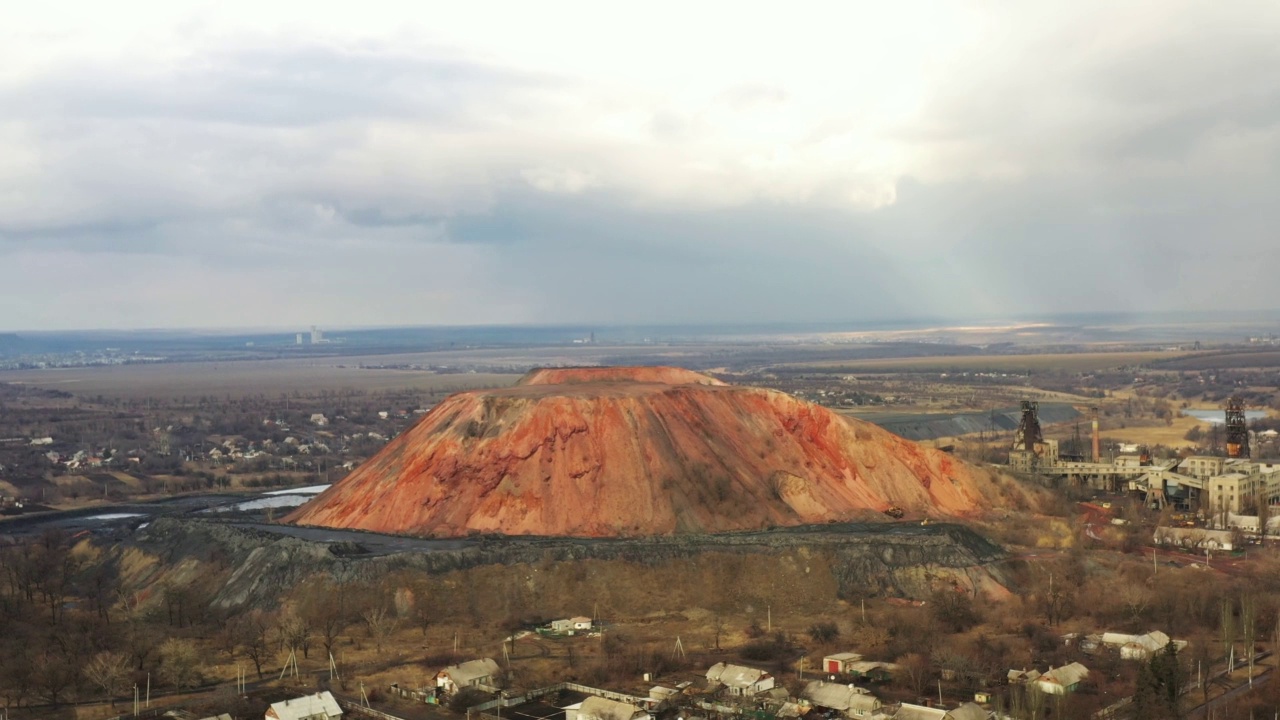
[(843, 560)]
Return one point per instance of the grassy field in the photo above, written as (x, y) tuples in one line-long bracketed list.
[(1223, 361), (1075, 362), (270, 378)]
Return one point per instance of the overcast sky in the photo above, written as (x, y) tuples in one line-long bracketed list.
[(178, 164)]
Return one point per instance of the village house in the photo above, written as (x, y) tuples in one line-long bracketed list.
[(598, 708), (321, 706), (1022, 677), (851, 700), (319, 419), (908, 711), (740, 680), (1139, 647), (571, 625), (1060, 681), (474, 673), (840, 663), (969, 711), (1142, 647)]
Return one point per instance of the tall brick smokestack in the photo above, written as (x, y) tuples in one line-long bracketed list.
[(1097, 442)]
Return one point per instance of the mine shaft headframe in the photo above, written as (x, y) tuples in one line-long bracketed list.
[(1028, 435), (1237, 429)]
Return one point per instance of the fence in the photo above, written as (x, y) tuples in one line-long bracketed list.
[(358, 709)]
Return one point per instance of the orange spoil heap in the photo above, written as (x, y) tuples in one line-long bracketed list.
[(636, 451)]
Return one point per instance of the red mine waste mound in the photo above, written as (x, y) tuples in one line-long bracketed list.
[(638, 451)]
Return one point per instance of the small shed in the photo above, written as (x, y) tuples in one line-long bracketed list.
[(871, 671), (840, 663)]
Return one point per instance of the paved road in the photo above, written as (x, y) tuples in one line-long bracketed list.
[(1202, 712)]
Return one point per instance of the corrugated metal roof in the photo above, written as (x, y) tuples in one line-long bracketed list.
[(468, 672), (598, 708), (735, 675), (320, 705)]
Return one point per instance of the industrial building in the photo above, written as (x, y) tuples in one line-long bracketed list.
[(1232, 484)]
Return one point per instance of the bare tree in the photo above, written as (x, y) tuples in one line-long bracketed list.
[(322, 608), (1227, 628), (1249, 627), (16, 674), (381, 625), (107, 670), (916, 670), (252, 631), (295, 632), (179, 663), (1135, 598), (54, 673)]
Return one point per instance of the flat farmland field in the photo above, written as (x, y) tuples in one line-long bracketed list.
[(1264, 359), (269, 378), (1075, 362)]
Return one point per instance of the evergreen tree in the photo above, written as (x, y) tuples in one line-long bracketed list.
[(1160, 685)]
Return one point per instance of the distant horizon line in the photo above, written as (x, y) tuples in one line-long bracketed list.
[(915, 322)]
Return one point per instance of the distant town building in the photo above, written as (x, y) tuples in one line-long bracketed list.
[(1236, 491), (1202, 466), (319, 419)]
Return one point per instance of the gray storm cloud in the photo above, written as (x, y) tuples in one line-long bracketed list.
[(379, 181)]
